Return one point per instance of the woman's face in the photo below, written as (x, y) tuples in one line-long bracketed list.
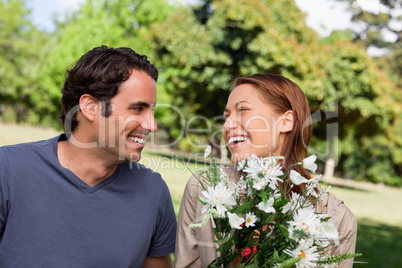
[(251, 125)]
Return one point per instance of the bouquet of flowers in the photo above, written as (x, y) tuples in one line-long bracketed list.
[(261, 223)]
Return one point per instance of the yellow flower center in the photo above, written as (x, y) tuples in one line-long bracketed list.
[(216, 198), (303, 255), (306, 227), (249, 220)]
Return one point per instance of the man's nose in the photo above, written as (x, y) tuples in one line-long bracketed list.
[(149, 123)]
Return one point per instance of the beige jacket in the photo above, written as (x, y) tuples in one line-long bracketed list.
[(195, 247)]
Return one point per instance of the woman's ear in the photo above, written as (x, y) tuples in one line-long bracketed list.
[(88, 107), (287, 121)]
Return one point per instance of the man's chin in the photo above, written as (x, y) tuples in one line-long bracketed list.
[(134, 157)]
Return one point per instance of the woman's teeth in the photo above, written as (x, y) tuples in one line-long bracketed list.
[(237, 139), (138, 140)]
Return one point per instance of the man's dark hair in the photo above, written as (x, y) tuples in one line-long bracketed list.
[(99, 73)]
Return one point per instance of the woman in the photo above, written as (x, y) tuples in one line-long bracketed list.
[(266, 115)]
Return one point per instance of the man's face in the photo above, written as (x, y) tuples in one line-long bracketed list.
[(131, 120)]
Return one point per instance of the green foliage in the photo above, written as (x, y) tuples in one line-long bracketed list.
[(20, 50), (290, 263), (205, 46), (114, 23), (339, 258), (200, 49), (374, 23), (380, 244), (388, 152)]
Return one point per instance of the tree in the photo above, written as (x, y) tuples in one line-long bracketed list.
[(381, 30), (205, 46), (370, 29), (20, 44), (114, 23)]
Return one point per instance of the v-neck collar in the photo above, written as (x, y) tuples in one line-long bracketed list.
[(75, 179)]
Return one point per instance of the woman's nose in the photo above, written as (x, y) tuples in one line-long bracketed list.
[(230, 123)]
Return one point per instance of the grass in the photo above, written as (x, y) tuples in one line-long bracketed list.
[(12, 133), (379, 217), (377, 208)]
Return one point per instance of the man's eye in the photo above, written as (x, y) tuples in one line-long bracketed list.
[(137, 109)]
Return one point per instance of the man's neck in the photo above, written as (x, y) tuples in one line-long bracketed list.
[(85, 163)]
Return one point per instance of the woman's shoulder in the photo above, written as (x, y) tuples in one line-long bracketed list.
[(335, 208)]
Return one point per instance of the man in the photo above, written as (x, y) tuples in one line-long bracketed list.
[(80, 199)]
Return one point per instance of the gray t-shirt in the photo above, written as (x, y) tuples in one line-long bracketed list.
[(51, 218)]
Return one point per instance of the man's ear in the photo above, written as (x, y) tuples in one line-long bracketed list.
[(287, 121), (89, 107)]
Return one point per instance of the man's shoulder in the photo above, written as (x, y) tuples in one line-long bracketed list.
[(26, 145), (26, 151), (143, 173), (139, 168)]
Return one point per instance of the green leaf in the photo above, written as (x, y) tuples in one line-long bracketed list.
[(284, 231), (264, 196)]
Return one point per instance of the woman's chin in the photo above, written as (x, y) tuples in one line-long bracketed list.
[(237, 157)]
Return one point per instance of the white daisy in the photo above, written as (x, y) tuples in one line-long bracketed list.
[(263, 171), (305, 220), (253, 166), (296, 178), (219, 197), (251, 218), (235, 221), (268, 207), (272, 174), (309, 163), (309, 255), (260, 183)]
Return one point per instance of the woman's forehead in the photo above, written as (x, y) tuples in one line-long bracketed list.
[(246, 93)]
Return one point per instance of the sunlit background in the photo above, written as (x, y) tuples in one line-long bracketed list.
[(346, 55)]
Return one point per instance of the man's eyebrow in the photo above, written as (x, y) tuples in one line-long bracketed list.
[(139, 103)]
